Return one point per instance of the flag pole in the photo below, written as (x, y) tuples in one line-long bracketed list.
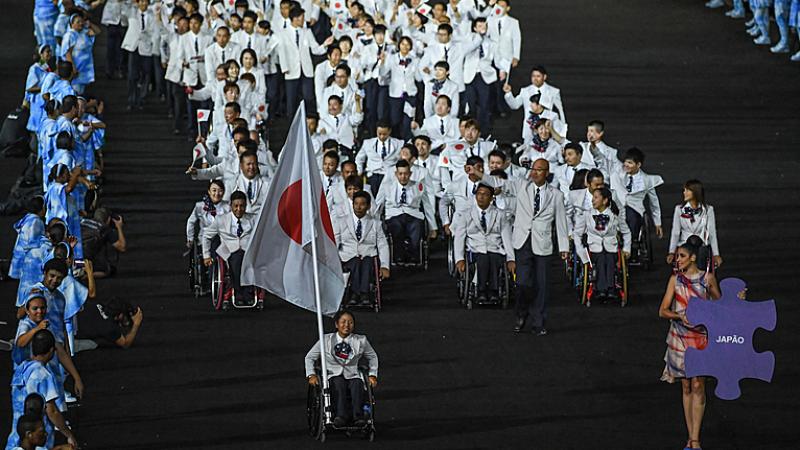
[(326, 395)]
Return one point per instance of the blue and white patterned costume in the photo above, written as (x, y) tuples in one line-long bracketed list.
[(31, 377), (81, 44), (30, 230), (36, 74), (44, 22)]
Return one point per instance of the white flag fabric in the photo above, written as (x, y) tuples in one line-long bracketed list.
[(203, 115), (295, 213), (199, 151)]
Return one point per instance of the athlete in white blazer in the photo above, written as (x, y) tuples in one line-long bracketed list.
[(483, 230), (551, 95), (539, 211)]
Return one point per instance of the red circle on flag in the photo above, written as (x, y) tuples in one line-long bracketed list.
[(444, 160), (337, 5), (420, 187), (290, 213), (341, 27), (261, 108), (459, 146), (498, 11), (200, 114)]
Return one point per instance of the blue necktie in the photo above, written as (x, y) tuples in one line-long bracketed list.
[(482, 54), (629, 187), (383, 151), (250, 190), (441, 127), (536, 202), (403, 198), (483, 221), (239, 229), (358, 230), (297, 38)]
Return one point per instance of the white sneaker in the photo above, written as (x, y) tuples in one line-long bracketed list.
[(795, 57), (70, 398), (762, 40), (780, 47), (714, 4)]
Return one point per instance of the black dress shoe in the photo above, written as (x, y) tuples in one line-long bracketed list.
[(539, 331), (481, 299), (360, 422), (520, 323), (339, 422), (365, 300), (354, 299), (494, 298)]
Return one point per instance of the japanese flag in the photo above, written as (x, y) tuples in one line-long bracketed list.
[(261, 110), (203, 114), (424, 9), (198, 152), (498, 11)]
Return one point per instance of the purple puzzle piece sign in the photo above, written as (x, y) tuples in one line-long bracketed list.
[(731, 322)]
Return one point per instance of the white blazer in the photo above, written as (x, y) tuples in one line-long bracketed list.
[(224, 226), (644, 186), (144, 41), (416, 198), (296, 61), (604, 239), (373, 241), (466, 229), (432, 127), (703, 226), (539, 226), (348, 368), (550, 98)]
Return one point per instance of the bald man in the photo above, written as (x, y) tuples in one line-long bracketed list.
[(539, 208)]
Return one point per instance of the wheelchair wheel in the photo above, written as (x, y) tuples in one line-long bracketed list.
[(376, 286), (585, 287), (423, 253), (451, 257), (646, 242), (622, 272), (218, 284), (569, 262), (505, 286), (315, 413)]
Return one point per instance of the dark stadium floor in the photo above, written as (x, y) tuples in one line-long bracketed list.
[(679, 81)]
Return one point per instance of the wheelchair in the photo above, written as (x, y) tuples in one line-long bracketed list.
[(587, 276), (221, 283), (422, 261), (468, 286), (374, 290), (320, 415), (199, 274), (642, 245)]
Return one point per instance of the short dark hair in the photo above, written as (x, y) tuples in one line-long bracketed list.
[(248, 154), (445, 98), (423, 138), (234, 106), (635, 155), (238, 195), (498, 153), (28, 423), (598, 124), (296, 12), (592, 174), (474, 159), (446, 27), (411, 149), (384, 124), (330, 144), (332, 155), (364, 195), (402, 163), (354, 180), (43, 341), (68, 103), (574, 146), (443, 64), (540, 69), (342, 312), (35, 204), (55, 264)]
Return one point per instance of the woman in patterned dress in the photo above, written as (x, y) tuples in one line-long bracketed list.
[(686, 283)]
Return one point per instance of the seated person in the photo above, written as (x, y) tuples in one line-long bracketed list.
[(360, 240), (205, 211), (602, 225), (103, 240), (114, 322), (343, 350), (461, 192), (234, 229), (486, 233), (407, 206)]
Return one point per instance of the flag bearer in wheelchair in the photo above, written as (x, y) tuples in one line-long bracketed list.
[(360, 240), (632, 186), (603, 226), (235, 229), (344, 350), (486, 233), (406, 206)]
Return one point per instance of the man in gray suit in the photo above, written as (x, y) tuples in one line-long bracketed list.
[(539, 205), (343, 350)]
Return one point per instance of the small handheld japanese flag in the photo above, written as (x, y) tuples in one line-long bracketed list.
[(424, 9), (498, 11), (262, 110), (198, 152), (203, 115), (338, 6)]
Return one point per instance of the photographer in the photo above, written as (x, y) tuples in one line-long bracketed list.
[(115, 322), (103, 240)]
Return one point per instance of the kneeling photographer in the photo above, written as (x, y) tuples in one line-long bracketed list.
[(103, 241), (113, 322)]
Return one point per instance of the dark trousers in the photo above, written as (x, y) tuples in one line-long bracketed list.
[(191, 116), (177, 101), (371, 93), (235, 267), (375, 181), (500, 102), (273, 94), (158, 77), (302, 87), (406, 227), (478, 98), (635, 221), (383, 103), (341, 388), (401, 123), (360, 273), (140, 74), (114, 35), (489, 265), (532, 284), (605, 264)]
